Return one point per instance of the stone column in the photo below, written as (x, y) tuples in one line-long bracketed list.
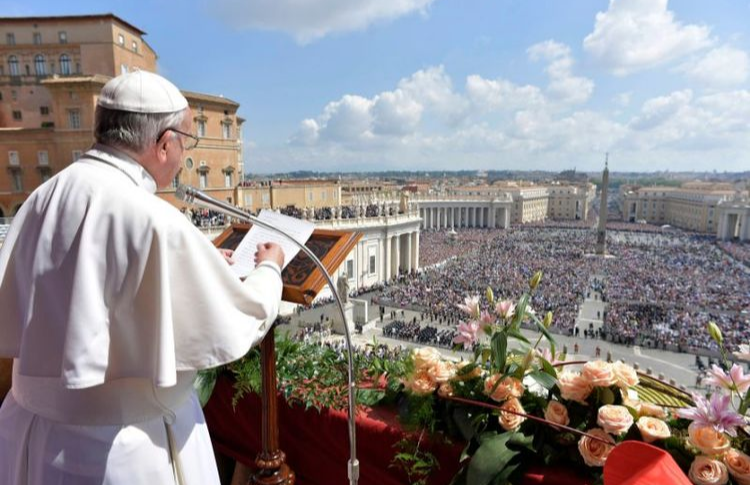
[(745, 230), (445, 217), (407, 252), (387, 258), (415, 250), (506, 218), (395, 255)]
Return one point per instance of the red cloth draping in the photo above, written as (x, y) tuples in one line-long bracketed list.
[(317, 444)]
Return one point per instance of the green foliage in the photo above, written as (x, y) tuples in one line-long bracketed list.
[(417, 463)]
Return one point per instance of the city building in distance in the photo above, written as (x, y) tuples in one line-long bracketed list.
[(51, 72)]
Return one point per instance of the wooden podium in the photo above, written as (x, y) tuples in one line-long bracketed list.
[(302, 281)]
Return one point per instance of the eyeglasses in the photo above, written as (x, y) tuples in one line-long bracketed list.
[(186, 146)]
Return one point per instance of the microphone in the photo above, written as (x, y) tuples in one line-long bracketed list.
[(191, 195)]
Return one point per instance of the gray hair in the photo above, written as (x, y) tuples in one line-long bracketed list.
[(133, 131)]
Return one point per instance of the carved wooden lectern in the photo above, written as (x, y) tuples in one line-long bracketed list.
[(302, 282)]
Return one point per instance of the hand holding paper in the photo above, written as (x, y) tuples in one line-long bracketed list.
[(244, 255)]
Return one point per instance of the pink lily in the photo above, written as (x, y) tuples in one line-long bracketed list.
[(505, 309), (470, 306), (468, 334), (714, 413), (736, 380)]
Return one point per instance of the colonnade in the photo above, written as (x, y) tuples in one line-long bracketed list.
[(464, 216), (401, 253)]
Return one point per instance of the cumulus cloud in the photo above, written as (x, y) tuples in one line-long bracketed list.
[(633, 35), (563, 86), (433, 88), (659, 110), (719, 68), (309, 20), (500, 94)]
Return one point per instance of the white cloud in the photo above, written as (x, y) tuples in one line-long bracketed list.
[(623, 99), (563, 86), (433, 89), (659, 110), (633, 35), (308, 20), (719, 68), (500, 94), (395, 113)]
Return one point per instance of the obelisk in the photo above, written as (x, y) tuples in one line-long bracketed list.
[(601, 232)]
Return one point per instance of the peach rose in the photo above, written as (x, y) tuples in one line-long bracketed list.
[(425, 357), (653, 410), (614, 419), (598, 373), (557, 413), (594, 452), (475, 372), (442, 371), (509, 387), (511, 421), (738, 464), (421, 384), (625, 376), (652, 429), (445, 390), (574, 387), (707, 471), (707, 439)]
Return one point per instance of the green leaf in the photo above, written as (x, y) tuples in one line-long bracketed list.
[(204, 384), (518, 336), (370, 397), (490, 459), (545, 332), (548, 368), (499, 351), (606, 396), (545, 380)]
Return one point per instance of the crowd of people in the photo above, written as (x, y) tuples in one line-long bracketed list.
[(205, 217), (738, 251), (414, 332), (661, 288)]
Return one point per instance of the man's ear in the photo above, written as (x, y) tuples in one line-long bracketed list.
[(161, 143)]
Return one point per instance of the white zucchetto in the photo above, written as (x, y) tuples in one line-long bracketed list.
[(142, 92)]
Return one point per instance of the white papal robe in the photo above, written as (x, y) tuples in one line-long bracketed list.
[(110, 301)]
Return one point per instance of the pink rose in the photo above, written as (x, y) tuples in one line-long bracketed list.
[(511, 421), (574, 387), (654, 410), (421, 384), (442, 371), (594, 452), (614, 419), (509, 387), (425, 357), (445, 390), (707, 471), (738, 464), (475, 372), (707, 439), (598, 373), (625, 376), (557, 413), (652, 429)]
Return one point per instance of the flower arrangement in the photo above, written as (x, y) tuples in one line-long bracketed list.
[(514, 406), (518, 402)]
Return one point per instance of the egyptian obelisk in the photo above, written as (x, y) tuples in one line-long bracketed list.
[(601, 232)]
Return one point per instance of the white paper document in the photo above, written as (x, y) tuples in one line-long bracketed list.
[(244, 254)]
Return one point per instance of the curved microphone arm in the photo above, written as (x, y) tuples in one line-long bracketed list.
[(194, 196)]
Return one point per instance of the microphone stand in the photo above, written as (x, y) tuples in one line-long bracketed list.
[(192, 195)]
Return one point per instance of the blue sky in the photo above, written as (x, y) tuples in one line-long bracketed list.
[(358, 85)]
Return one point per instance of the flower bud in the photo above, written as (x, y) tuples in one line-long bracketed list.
[(715, 332), (534, 282), (490, 296), (547, 322)]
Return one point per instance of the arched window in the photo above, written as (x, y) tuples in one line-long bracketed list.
[(13, 66), (39, 65), (65, 65)]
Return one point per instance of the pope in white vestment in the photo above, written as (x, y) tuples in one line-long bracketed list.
[(111, 301)]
